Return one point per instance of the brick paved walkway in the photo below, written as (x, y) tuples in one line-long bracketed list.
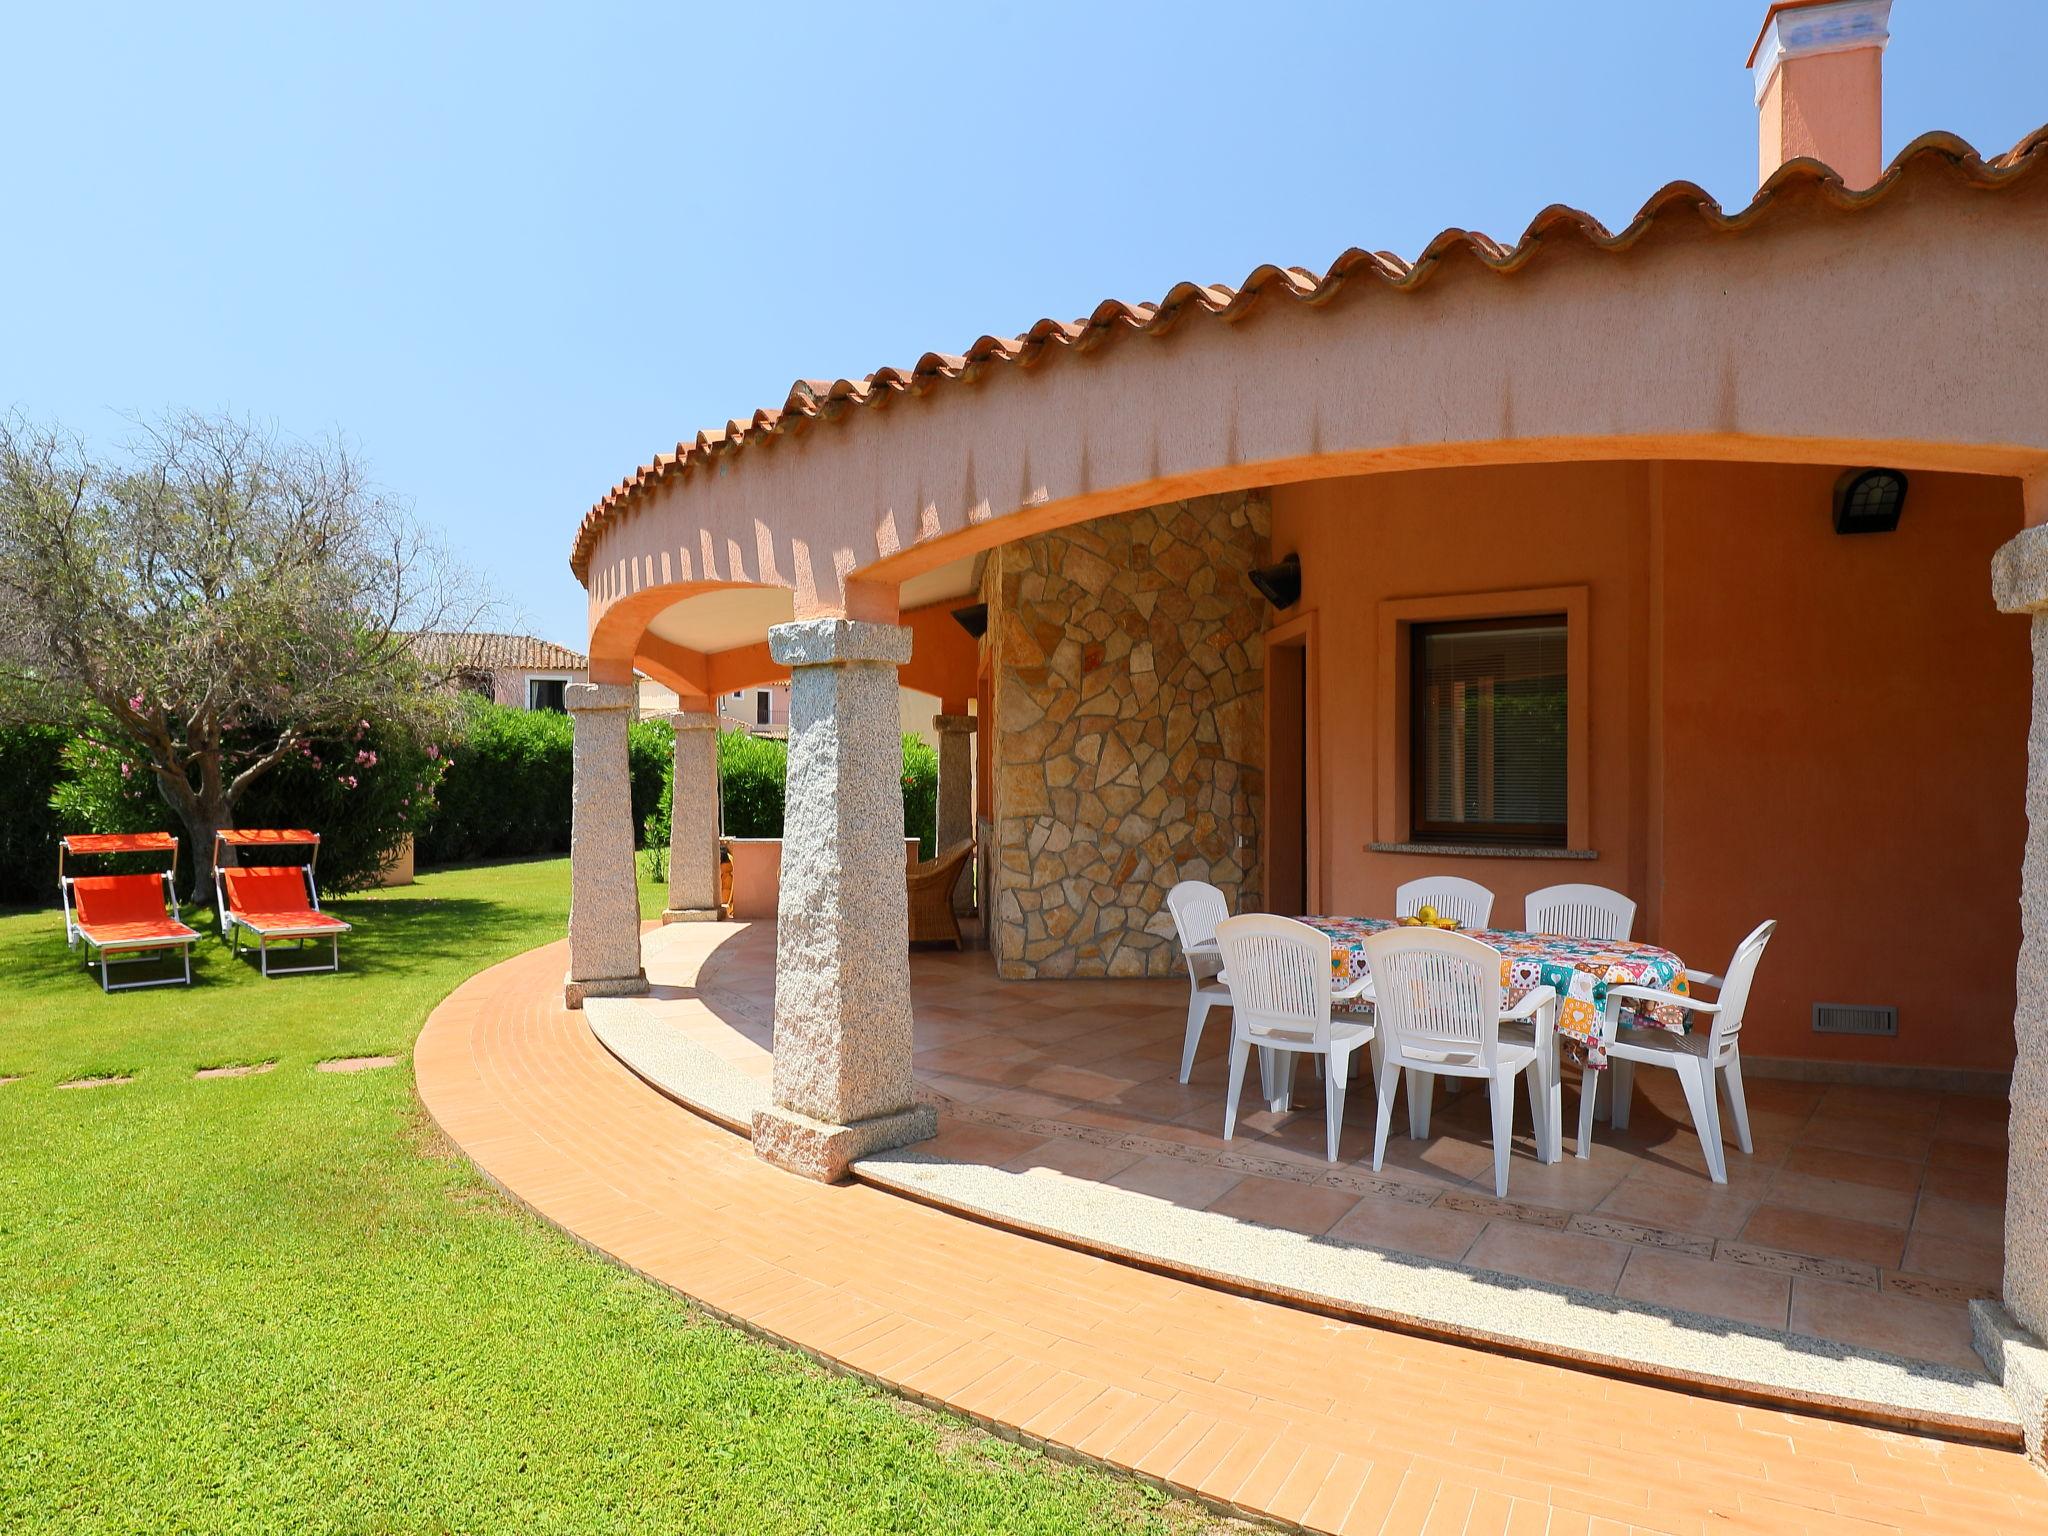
[(1277, 1412)]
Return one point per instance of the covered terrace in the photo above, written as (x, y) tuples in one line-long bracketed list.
[(1635, 436)]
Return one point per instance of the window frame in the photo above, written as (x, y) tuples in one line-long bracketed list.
[(1493, 834), (547, 677), (1392, 671)]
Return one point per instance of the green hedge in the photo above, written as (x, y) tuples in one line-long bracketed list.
[(752, 774), (31, 760), (507, 792)]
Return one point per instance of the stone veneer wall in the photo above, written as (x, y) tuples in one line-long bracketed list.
[(1129, 732)]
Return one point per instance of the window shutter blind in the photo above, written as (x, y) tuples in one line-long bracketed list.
[(1489, 729)]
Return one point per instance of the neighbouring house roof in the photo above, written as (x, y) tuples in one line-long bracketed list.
[(1930, 157), (481, 651)]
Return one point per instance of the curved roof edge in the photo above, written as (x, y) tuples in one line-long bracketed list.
[(812, 400)]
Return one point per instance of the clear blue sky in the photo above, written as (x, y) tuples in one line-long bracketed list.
[(515, 253)]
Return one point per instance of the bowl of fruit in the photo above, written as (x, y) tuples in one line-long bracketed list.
[(1429, 917)]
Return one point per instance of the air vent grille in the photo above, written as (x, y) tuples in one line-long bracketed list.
[(1853, 1019)]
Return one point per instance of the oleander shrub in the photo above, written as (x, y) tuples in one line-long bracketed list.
[(364, 792)]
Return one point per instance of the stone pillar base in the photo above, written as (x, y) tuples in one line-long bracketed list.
[(822, 1152), (2018, 1362), (692, 915), (574, 991)]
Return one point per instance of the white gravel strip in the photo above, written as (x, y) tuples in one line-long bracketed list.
[(1442, 1297), (660, 1053)]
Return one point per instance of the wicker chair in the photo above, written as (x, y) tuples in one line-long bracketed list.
[(931, 896)]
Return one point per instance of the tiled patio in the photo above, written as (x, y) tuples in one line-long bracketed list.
[(1262, 1408), (1866, 1216)]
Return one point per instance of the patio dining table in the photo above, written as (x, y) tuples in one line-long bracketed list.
[(1579, 970)]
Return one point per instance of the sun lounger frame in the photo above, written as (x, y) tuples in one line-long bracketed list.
[(113, 952), (233, 923)]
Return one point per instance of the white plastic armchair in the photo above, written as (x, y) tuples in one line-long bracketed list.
[(1700, 1060), (1197, 908), (1580, 912), (1281, 994), (1437, 999), (1467, 900)]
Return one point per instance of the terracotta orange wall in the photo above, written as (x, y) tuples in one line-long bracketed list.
[(1845, 726), (1442, 532), (1783, 722)]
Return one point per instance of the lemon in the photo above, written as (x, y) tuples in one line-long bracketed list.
[(1427, 914)]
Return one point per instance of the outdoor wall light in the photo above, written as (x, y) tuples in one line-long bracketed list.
[(1869, 500), (1280, 584), (973, 619)]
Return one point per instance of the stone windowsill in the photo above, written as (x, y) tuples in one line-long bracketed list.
[(1481, 851)]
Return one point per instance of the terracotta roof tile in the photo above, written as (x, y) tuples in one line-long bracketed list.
[(492, 652), (814, 400)]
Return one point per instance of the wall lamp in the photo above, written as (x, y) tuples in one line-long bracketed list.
[(1279, 584), (1869, 500)]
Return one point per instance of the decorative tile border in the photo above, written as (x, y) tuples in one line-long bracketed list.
[(1840, 1271)]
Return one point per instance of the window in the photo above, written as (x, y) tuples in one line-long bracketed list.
[(761, 707), (1488, 731), (547, 693)]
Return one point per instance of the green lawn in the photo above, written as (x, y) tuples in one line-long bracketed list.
[(272, 1303)]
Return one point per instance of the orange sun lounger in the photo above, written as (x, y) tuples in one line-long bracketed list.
[(124, 919), (273, 903)]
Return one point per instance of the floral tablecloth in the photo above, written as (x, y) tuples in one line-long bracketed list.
[(1579, 970)]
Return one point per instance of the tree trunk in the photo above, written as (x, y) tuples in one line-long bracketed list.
[(199, 830)]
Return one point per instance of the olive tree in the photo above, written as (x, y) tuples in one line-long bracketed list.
[(219, 596)]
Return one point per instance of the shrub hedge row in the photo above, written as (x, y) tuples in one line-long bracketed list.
[(507, 792), (502, 791)]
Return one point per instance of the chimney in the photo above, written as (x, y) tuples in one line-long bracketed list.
[(1818, 66)]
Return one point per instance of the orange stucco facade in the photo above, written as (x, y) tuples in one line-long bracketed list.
[(1779, 721)]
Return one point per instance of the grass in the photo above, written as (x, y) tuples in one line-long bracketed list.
[(271, 1302)]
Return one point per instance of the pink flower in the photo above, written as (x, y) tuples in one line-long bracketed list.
[(366, 758), (136, 703), (349, 779), (433, 753), (127, 770), (316, 761)]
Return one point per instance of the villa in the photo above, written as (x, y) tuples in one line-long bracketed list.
[(1701, 560)]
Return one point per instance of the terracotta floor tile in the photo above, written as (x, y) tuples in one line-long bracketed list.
[(966, 1142), (1076, 1159), (1862, 1134), (1706, 1208), (1738, 1291), (1971, 1186), (1923, 1330), (1947, 1259), (1190, 1185), (1939, 1216), (1418, 1229), (1856, 1167), (1775, 1226), (1835, 1197), (1561, 1258), (1279, 1203)]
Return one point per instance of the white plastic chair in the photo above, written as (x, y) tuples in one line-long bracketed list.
[(1197, 908), (1436, 996), (1281, 992), (1467, 900), (1699, 1059), (1580, 912)]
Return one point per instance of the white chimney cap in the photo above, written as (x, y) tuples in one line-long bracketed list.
[(1795, 29)]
